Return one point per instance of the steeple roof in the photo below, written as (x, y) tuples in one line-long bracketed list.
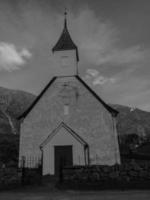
[(65, 42)]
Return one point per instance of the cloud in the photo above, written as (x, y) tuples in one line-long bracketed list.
[(117, 71), (11, 58), (115, 68), (97, 79), (99, 43), (25, 53), (102, 80), (123, 56), (92, 72)]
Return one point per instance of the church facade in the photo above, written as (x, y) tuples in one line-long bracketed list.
[(68, 123)]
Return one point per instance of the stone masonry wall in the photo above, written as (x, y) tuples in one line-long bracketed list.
[(86, 116)]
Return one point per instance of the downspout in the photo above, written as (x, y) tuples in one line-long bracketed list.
[(85, 159), (117, 151), (41, 149), (86, 154)]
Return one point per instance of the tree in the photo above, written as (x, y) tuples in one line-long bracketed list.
[(9, 145), (129, 142)]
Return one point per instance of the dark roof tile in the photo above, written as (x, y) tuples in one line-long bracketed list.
[(65, 42)]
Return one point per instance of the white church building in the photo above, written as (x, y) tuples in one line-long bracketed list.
[(68, 123)]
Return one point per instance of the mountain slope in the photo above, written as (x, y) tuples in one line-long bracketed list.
[(14, 102), (133, 121)]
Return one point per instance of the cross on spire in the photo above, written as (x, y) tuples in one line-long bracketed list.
[(65, 21), (65, 13), (65, 42)]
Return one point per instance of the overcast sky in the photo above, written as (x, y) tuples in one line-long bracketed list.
[(113, 37)]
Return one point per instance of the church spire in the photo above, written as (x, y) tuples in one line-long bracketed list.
[(65, 42), (65, 19)]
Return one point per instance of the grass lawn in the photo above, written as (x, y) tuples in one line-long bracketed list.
[(40, 193)]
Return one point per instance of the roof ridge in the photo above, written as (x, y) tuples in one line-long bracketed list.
[(25, 113), (68, 129), (109, 108)]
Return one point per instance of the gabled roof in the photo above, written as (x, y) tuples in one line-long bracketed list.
[(65, 42), (55, 131), (25, 113), (110, 109)]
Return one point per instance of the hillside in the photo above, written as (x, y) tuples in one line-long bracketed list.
[(14, 102), (133, 121)]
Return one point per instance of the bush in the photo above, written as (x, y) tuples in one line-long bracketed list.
[(9, 145), (9, 177), (32, 176)]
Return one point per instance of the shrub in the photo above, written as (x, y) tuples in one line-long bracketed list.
[(9, 177)]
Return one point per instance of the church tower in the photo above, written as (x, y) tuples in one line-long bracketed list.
[(68, 122), (65, 54)]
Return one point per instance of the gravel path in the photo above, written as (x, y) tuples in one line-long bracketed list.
[(46, 194)]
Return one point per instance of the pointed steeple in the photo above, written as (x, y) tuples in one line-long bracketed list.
[(65, 19), (65, 42)]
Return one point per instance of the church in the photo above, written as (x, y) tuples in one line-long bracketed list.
[(68, 123)]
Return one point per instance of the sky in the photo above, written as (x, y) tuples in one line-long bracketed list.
[(113, 38)]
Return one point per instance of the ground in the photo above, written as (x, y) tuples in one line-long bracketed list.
[(53, 194)]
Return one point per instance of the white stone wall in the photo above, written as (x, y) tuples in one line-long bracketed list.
[(87, 117), (64, 63)]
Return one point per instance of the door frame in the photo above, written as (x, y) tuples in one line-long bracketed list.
[(61, 164)]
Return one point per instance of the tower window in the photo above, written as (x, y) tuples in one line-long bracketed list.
[(65, 61), (66, 110)]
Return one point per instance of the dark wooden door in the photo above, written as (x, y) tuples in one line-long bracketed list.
[(63, 157)]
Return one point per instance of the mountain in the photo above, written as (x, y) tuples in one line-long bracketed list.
[(132, 121), (12, 104), (15, 102)]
